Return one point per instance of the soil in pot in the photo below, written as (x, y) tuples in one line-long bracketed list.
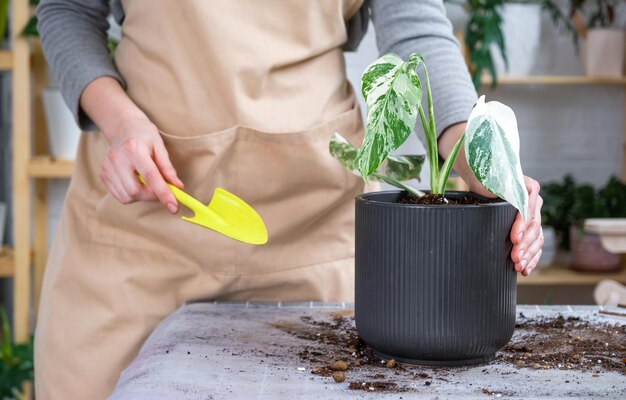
[(437, 199)]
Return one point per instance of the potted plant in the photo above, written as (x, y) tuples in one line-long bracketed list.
[(503, 37), (588, 254), (435, 283), (602, 43), (16, 363), (483, 37), (568, 204)]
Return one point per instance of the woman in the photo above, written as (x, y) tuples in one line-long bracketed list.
[(232, 93)]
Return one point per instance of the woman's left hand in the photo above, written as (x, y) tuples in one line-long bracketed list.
[(527, 237)]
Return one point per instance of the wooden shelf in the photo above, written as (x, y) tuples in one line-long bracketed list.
[(6, 60), (7, 265), (563, 275), (556, 80), (48, 167)]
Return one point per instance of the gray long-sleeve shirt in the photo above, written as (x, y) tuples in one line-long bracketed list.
[(74, 40)]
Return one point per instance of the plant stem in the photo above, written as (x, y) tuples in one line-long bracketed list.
[(430, 132), (447, 165), (431, 109), (431, 150)]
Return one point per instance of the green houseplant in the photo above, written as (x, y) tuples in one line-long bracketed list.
[(485, 33), (16, 363), (393, 93), (435, 283), (568, 204)]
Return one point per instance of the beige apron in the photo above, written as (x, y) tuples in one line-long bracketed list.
[(247, 95)]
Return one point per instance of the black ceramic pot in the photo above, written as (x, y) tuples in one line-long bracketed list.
[(435, 285)]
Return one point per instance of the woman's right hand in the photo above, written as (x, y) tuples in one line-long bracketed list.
[(135, 146)]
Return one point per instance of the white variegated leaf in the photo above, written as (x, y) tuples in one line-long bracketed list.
[(392, 90), (492, 149), (344, 151), (397, 168), (404, 167)]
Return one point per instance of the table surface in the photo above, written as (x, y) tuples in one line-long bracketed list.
[(235, 351)]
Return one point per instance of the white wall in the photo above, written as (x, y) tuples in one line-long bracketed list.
[(563, 129)]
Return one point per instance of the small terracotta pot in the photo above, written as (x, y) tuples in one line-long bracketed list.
[(588, 255)]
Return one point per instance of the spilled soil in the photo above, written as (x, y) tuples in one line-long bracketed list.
[(566, 343), (337, 352)]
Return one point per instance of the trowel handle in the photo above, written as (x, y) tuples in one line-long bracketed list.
[(184, 198)]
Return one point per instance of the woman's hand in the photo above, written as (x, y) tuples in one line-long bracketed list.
[(135, 145), (527, 237)]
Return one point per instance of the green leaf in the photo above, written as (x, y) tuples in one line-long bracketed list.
[(442, 185), (392, 92), (4, 14), (344, 151), (398, 168), (31, 27), (492, 149), (16, 363), (7, 351), (404, 167), (112, 45)]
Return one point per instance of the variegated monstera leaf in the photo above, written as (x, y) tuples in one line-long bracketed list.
[(492, 149), (397, 168), (392, 90)]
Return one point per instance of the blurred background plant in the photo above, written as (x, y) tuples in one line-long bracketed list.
[(484, 30), (601, 12), (567, 203), (4, 16), (16, 363)]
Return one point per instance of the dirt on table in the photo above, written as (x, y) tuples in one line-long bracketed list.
[(566, 343), (550, 343), (437, 199)]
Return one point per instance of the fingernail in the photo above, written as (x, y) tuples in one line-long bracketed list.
[(519, 237), (524, 263), (172, 207), (521, 253)]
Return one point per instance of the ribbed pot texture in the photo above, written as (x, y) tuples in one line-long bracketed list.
[(435, 285)]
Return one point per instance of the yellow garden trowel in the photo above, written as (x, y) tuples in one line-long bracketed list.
[(226, 214)]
